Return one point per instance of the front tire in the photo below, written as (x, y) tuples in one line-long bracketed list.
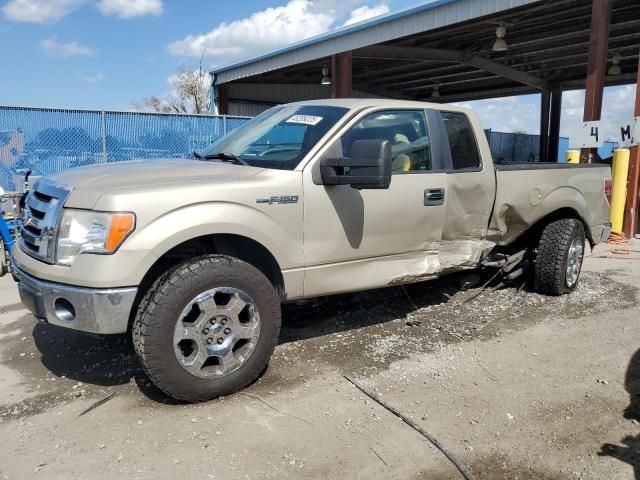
[(559, 255), (207, 328)]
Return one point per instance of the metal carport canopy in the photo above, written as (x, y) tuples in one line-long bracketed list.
[(448, 44)]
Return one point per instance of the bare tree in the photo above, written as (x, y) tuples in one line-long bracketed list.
[(190, 93)]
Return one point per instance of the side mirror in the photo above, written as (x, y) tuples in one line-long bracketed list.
[(369, 166)]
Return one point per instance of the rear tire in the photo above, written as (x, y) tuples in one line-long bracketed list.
[(559, 255), (230, 315)]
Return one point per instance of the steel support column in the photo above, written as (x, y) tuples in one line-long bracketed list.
[(554, 123), (597, 66), (222, 100), (341, 75), (545, 101), (630, 228)]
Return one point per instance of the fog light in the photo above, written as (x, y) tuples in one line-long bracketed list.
[(64, 310)]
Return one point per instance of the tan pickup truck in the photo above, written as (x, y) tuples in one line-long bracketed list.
[(194, 257)]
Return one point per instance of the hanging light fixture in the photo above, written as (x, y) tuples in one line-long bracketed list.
[(436, 92), (615, 67), (326, 79), (500, 45)]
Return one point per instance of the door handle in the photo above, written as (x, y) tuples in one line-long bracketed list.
[(433, 196)]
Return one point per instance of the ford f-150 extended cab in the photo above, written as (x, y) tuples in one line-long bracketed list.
[(195, 257)]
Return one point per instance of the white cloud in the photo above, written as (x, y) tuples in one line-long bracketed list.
[(363, 13), (262, 31), (508, 114), (39, 11), (98, 77), (511, 114), (53, 48), (272, 28), (617, 107), (130, 8)]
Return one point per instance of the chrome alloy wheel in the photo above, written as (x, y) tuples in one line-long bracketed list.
[(216, 332), (574, 262)]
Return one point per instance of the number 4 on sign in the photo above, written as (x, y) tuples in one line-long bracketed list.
[(630, 133), (590, 136)]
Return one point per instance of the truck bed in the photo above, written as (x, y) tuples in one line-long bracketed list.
[(526, 193)]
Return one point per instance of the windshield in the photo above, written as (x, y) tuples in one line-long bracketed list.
[(278, 138)]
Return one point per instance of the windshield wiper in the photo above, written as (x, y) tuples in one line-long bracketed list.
[(225, 157)]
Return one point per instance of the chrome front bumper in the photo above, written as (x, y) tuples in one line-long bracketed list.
[(102, 311)]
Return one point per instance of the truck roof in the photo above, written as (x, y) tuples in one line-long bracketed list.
[(360, 103)]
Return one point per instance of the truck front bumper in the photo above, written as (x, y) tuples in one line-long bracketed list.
[(102, 311)]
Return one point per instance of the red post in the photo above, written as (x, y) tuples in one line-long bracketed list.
[(630, 226), (597, 66), (341, 75)]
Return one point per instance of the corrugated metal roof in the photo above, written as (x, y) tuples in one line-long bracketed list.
[(420, 18)]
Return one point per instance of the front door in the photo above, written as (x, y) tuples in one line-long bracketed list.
[(360, 239)]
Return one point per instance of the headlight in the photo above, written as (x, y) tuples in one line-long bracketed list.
[(84, 231)]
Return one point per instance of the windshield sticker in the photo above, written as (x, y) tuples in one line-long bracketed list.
[(305, 120)]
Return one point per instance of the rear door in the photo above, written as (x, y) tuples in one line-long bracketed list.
[(471, 187), (359, 239)]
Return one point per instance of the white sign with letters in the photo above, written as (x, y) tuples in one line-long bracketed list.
[(590, 136), (630, 133)]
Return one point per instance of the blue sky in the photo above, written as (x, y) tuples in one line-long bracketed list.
[(97, 58), (110, 53)]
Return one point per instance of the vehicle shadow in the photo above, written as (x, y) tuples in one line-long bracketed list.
[(110, 360), (98, 360), (629, 451), (339, 313), (103, 361)]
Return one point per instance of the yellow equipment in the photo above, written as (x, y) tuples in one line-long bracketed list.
[(619, 172), (573, 156)]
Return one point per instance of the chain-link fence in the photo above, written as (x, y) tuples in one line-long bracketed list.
[(51, 140)]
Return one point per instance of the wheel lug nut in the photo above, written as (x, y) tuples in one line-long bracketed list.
[(212, 321), (223, 321), (209, 341), (227, 330), (205, 331), (220, 340)]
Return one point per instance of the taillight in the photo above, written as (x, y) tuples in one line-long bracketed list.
[(607, 189)]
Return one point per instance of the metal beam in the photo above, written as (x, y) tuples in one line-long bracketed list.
[(554, 124), (222, 100), (545, 106), (416, 54), (630, 227), (597, 66), (504, 71), (342, 75), (497, 92), (420, 54)]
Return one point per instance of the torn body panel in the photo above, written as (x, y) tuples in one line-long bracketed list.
[(524, 197), (463, 254), (372, 273)]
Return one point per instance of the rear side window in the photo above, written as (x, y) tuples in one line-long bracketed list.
[(462, 141)]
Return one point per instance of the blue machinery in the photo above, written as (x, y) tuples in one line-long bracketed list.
[(6, 226)]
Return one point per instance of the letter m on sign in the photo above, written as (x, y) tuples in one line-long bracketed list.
[(630, 133)]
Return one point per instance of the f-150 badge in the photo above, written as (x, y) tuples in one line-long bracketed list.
[(281, 200)]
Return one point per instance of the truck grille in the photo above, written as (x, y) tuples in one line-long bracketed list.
[(42, 210)]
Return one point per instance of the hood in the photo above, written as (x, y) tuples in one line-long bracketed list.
[(88, 184)]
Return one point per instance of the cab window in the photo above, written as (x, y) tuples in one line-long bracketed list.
[(462, 141), (406, 131)]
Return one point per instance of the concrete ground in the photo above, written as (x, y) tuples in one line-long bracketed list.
[(517, 385)]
